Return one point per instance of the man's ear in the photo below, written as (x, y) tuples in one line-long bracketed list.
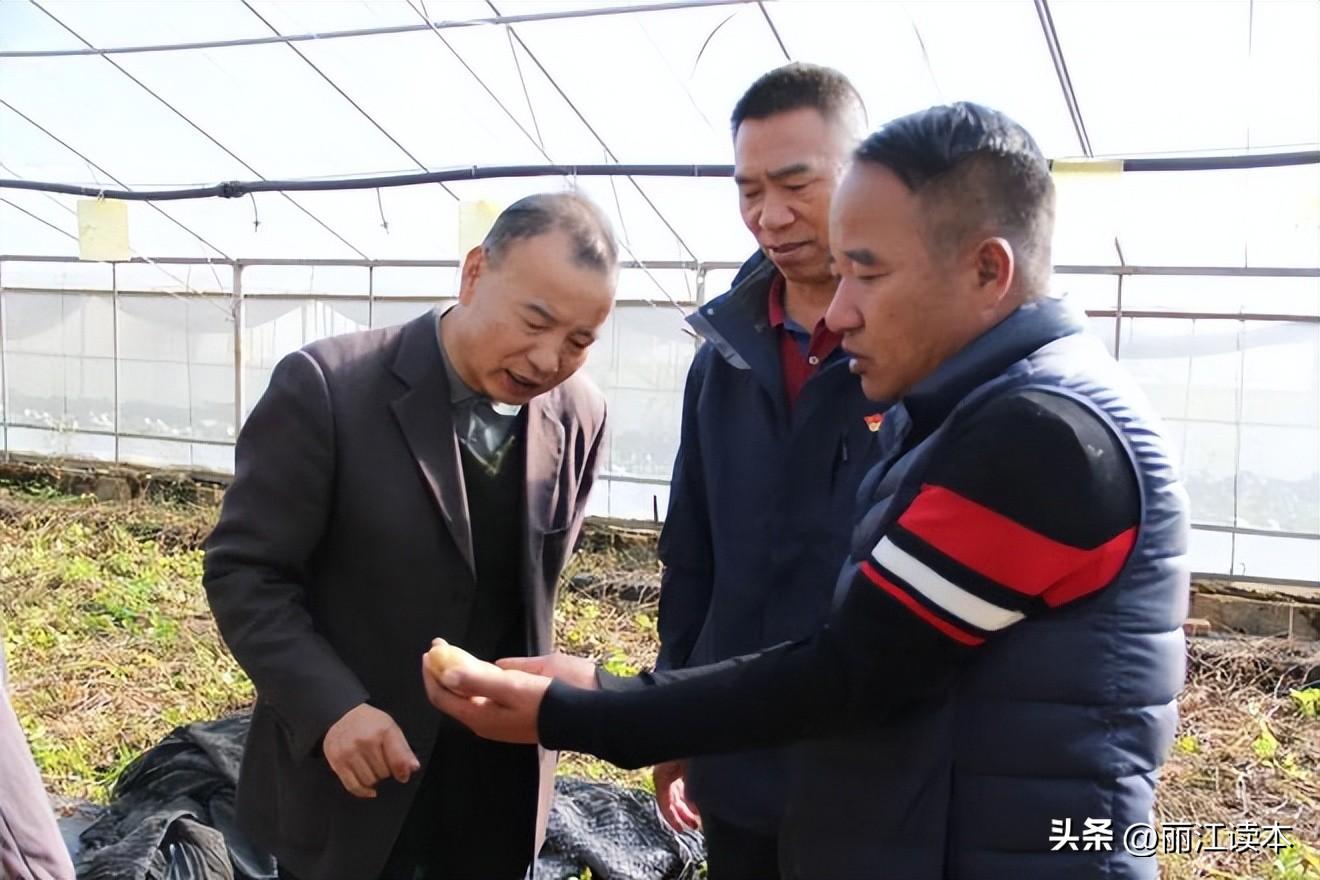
[(995, 267), (473, 265)]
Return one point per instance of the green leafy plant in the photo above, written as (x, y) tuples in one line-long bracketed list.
[(1297, 862), (1265, 745), (1307, 701)]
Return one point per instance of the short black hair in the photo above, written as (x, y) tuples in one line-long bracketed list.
[(799, 85), (976, 168), (586, 225)]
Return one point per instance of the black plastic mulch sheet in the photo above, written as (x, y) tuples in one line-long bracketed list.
[(171, 817), (171, 814), (617, 833)]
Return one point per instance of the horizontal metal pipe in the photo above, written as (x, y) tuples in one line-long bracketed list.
[(688, 265), (1202, 271), (289, 297), (1205, 316), (1263, 533), (641, 481), (362, 297), (101, 432), (337, 262), (1220, 577)]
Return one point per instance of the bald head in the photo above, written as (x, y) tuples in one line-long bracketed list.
[(587, 229)]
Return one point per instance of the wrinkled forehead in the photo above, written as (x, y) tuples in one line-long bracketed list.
[(549, 270)]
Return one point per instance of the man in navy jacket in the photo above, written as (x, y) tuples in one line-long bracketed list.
[(776, 436)]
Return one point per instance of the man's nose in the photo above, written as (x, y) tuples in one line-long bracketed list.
[(842, 315), (775, 213), (545, 359)]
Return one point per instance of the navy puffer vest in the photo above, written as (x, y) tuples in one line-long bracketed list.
[(1066, 716)]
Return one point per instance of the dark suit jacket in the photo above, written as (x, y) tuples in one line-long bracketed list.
[(343, 547)]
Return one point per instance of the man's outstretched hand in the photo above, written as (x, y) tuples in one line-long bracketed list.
[(577, 671), (494, 703)]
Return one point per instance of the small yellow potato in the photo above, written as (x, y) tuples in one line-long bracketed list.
[(444, 656)]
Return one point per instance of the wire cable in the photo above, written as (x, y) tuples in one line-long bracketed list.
[(549, 15), (237, 188)]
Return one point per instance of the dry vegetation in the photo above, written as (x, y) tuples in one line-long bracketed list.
[(110, 646), (1248, 750)]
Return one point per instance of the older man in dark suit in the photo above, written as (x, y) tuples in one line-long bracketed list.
[(393, 486)]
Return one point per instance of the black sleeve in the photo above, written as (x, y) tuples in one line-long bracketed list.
[(1012, 456), (1032, 503)]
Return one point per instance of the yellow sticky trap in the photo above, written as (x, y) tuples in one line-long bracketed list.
[(474, 220), (1089, 195), (103, 230)]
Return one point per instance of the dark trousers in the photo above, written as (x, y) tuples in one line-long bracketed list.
[(442, 837), (735, 853)]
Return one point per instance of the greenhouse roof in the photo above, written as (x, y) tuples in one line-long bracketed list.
[(419, 86)]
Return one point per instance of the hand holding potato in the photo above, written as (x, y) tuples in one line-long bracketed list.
[(495, 703), (577, 671), (443, 656)]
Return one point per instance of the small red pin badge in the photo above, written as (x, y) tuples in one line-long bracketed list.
[(874, 421)]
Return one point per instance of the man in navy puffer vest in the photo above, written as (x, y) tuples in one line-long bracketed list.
[(994, 691)]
